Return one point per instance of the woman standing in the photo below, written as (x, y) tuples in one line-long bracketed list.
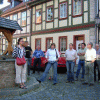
[(19, 53), (52, 55)]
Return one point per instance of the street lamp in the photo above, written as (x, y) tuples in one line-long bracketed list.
[(0, 41)]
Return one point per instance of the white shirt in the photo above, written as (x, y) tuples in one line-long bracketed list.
[(51, 54), (90, 54), (71, 55)]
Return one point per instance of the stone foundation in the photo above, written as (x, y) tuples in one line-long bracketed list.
[(7, 73)]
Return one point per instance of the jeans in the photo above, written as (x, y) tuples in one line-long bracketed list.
[(49, 65), (98, 62), (37, 61), (29, 64), (51, 72), (81, 64), (70, 70)]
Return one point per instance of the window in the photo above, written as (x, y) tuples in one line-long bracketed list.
[(8, 17), (48, 42), (15, 17), (6, 44), (12, 3), (37, 42), (62, 43), (25, 0), (63, 10), (77, 7), (38, 16), (24, 18), (50, 13), (24, 39), (14, 43)]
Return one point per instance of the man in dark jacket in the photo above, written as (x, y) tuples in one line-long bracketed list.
[(28, 55)]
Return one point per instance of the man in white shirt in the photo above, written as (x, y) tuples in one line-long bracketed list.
[(71, 56), (90, 57)]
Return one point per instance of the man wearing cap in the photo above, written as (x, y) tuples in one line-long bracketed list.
[(97, 63), (90, 57)]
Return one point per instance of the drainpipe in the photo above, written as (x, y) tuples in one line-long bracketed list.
[(31, 24), (98, 23), (95, 22)]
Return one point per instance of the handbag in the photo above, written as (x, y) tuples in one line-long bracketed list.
[(20, 61)]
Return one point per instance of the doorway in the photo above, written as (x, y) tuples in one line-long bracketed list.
[(78, 39)]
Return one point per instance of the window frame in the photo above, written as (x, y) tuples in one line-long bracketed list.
[(36, 17), (46, 41), (8, 17), (36, 40), (66, 10), (26, 19), (17, 17), (53, 13), (81, 9), (25, 0), (60, 42), (12, 4)]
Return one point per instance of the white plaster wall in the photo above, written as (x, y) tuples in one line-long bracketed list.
[(55, 36)]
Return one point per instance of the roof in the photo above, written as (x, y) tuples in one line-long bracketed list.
[(10, 24), (22, 4), (5, 8)]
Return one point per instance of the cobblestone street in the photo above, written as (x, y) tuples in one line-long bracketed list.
[(61, 91)]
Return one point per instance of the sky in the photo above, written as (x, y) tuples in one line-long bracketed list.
[(5, 3)]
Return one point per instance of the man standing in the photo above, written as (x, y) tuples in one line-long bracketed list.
[(71, 56), (81, 63), (38, 53), (28, 55), (90, 57), (97, 63)]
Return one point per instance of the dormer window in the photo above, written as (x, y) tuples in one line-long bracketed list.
[(12, 3), (25, 0)]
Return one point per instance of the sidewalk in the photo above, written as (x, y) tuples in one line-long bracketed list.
[(31, 84)]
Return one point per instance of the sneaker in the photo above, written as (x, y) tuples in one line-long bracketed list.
[(39, 81), (85, 83), (99, 81), (54, 83), (82, 79), (67, 81), (72, 82), (91, 84), (76, 79)]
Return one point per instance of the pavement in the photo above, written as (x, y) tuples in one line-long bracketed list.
[(62, 91)]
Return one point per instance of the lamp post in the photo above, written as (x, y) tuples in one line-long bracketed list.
[(0, 43), (97, 22)]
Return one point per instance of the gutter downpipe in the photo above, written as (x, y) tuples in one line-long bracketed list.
[(96, 23)]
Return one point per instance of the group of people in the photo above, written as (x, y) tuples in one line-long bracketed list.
[(88, 61)]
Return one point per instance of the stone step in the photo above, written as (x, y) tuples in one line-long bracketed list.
[(32, 84)]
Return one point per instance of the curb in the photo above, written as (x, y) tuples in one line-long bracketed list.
[(18, 91)]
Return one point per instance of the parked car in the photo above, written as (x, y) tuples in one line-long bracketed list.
[(61, 63)]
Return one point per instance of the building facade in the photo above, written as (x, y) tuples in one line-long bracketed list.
[(59, 21)]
